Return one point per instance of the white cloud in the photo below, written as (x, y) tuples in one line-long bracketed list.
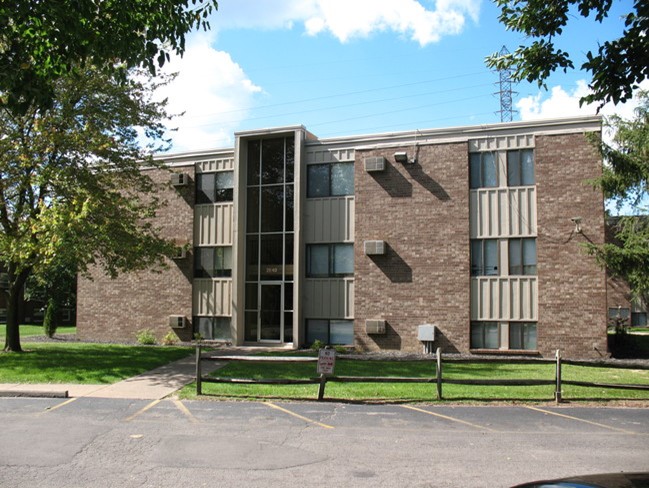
[(562, 103), (345, 19), (208, 82)]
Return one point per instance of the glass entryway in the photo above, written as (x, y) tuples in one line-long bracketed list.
[(269, 239), (270, 313)]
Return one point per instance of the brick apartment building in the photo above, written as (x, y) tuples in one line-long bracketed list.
[(474, 233)]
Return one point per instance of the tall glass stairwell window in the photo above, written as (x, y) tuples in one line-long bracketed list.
[(269, 239)]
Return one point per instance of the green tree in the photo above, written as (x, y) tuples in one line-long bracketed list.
[(617, 67), (624, 181), (42, 40), (71, 189)]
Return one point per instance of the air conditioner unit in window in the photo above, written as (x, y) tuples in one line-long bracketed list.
[(179, 179), (375, 326), (374, 164), (374, 248), (177, 321), (181, 253)]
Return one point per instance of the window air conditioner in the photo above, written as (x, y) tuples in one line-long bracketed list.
[(177, 321), (179, 179), (181, 253), (374, 164), (374, 248), (374, 326)]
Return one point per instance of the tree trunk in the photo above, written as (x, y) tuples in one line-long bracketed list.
[(14, 296), (12, 339)]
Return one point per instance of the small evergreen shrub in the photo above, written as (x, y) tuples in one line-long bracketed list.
[(146, 337), (169, 339)]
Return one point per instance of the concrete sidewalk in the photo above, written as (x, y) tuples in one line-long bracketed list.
[(152, 385)]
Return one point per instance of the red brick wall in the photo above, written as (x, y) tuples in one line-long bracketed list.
[(115, 309), (572, 286), (422, 212)]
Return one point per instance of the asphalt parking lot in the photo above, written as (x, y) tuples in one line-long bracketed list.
[(114, 442)]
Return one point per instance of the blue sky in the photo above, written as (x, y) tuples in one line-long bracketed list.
[(361, 66)]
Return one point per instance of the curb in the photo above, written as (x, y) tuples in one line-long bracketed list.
[(34, 394)]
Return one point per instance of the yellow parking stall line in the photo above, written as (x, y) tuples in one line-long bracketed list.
[(570, 417), (62, 404), (277, 407), (142, 410), (445, 417), (181, 406)]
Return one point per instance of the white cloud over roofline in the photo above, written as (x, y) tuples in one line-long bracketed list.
[(208, 82)]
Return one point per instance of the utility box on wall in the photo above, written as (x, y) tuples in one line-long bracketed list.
[(426, 333)]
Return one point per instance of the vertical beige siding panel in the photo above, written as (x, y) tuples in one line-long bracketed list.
[(328, 298), (213, 224), (473, 214), (349, 298), (212, 297), (329, 220), (504, 299)]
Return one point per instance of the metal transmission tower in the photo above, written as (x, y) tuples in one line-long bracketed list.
[(505, 91)]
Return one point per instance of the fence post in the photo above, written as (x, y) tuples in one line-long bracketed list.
[(439, 373), (199, 386), (321, 389), (557, 391)]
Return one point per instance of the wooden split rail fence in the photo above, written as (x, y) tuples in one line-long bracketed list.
[(438, 379)]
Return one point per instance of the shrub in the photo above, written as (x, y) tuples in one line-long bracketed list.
[(317, 345), (145, 337), (169, 339)]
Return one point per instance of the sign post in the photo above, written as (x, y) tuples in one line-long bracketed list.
[(326, 364)]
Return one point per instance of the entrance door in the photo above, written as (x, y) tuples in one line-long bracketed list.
[(270, 313)]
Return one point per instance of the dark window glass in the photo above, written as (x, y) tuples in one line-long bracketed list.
[(485, 335), (520, 167), (212, 262), (251, 296), (250, 327), (214, 187), (330, 331), (288, 326), (254, 153), (342, 179), (272, 208), (213, 328), (252, 258), (522, 256), (522, 336), (272, 161), (484, 257), (288, 296), (252, 210), (483, 170), (330, 260), (290, 159), (272, 256), (639, 319), (317, 180), (290, 207), (205, 187), (288, 256)]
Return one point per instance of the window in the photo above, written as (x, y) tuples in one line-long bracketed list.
[(485, 335), (520, 167), (522, 336), (522, 256), (483, 170), (214, 187), (212, 262), (484, 257), (618, 313), (213, 328), (639, 319), (330, 331), (329, 260), (330, 180)]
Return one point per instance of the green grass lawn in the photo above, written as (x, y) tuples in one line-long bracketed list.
[(36, 330), (82, 363), (424, 392)]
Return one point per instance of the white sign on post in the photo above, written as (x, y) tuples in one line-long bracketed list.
[(326, 361)]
